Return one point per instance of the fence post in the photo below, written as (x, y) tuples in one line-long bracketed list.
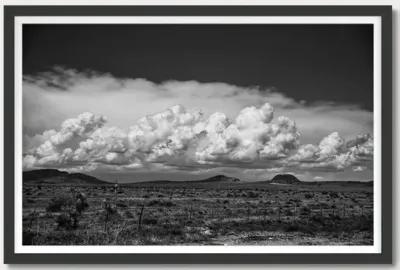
[(279, 213), (116, 193), (105, 222), (37, 226), (140, 218), (187, 211), (294, 213)]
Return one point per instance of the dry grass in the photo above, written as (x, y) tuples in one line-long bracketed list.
[(237, 214)]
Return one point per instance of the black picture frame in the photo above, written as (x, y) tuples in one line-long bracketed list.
[(384, 12)]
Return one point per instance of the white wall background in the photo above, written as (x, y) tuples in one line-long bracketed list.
[(396, 124)]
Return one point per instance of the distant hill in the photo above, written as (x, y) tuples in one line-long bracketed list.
[(53, 176), (219, 178), (287, 179), (214, 179)]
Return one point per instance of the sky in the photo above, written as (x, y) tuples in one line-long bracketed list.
[(157, 102)]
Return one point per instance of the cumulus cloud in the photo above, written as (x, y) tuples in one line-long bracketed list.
[(178, 138), (330, 145), (54, 146), (174, 136), (334, 153), (250, 137)]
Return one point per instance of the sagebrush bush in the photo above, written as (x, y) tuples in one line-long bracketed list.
[(65, 221), (70, 207), (305, 210), (165, 203), (121, 204), (309, 195), (56, 204), (252, 194)]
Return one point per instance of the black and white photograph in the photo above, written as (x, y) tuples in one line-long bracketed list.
[(198, 134)]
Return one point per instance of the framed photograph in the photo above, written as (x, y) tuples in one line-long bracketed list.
[(198, 134)]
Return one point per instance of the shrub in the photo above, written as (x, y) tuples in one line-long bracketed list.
[(68, 222), (309, 195), (71, 209), (230, 195), (333, 194), (318, 219), (288, 212), (252, 194), (160, 203), (291, 228), (28, 238), (57, 204), (305, 210), (31, 217), (121, 204), (150, 221), (128, 214)]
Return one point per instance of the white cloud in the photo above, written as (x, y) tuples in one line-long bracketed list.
[(334, 153), (359, 168), (67, 92), (54, 146), (173, 136), (250, 137), (330, 145)]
